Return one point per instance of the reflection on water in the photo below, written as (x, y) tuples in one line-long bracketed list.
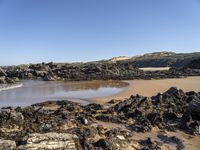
[(39, 91)]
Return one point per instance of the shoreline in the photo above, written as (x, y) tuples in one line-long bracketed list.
[(152, 87), (142, 87), (4, 87), (126, 125)]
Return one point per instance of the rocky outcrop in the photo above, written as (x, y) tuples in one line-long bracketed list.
[(49, 141), (65, 125), (2, 76), (116, 69), (2, 72), (195, 64), (194, 107), (4, 79), (89, 71), (75, 71)]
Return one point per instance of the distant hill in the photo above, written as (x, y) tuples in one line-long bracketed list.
[(162, 59), (120, 58)]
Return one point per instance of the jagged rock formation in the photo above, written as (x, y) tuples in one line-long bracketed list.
[(195, 64), (76, 126), (89, 71), (4, 79), (107, 70), (2, 72), (74, 71)]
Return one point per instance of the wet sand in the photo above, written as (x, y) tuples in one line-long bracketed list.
[(189, 141), (152, 87)]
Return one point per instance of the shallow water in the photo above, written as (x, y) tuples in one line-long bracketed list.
[(39, 91)]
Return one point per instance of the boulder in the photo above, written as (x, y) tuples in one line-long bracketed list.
[(149, 144), (154, 118), (49, 78), (174, 91), (10, 80), (49, 141), (10, 114), (7, 144), (39, 73), (102, 143), (141, 125), (194, 108), (2, 80), (2, 72)]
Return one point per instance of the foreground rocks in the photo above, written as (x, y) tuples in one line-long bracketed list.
[(68, 125), (49, 141)]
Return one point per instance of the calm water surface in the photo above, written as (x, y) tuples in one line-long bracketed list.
[(39, 91)]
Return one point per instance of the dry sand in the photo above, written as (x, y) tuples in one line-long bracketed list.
[(154, 68), (152, 87)]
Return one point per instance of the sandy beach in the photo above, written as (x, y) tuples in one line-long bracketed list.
[(152, 87), (154, 68)]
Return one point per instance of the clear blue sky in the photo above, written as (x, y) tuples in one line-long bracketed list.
[(84, 30)]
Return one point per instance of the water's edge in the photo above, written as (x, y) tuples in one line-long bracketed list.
[(31, 92), (4, 87)]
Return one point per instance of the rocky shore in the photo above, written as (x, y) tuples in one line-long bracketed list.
[(89, 71), (114, 125)]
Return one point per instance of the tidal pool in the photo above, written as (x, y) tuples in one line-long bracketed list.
[(78, 91)]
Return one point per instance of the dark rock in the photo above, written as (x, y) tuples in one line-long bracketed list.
[(113, 101), (154, 118), (94, 107), (195, 64), (148, 144), (141, 125), (49, 78), (103, 143), (10, 114), (194, 108), (172, 139), (170, 116), (10, 80), (2, 72)]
